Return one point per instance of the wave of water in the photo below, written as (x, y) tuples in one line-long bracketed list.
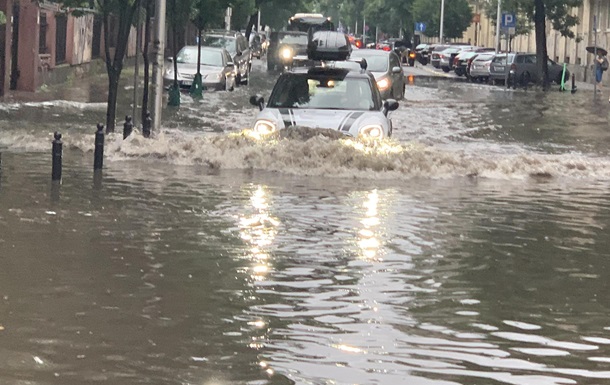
[(307, 152)]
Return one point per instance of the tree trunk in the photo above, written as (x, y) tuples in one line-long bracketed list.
[(199, 37), (146, 60), (541, 51), (113, 92), (251, 21)]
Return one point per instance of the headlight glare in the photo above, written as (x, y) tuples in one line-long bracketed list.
[(286, 53), (372, 131), (383, 84), (264, 127)]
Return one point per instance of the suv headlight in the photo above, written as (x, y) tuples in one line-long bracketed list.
[(383, 84), (286, 53), (265, 127), (372, 131)]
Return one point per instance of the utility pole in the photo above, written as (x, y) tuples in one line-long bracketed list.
[(442, 21), (364, 32), (498, 22), (137, 65), (158, 59)]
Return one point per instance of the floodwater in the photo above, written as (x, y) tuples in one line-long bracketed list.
[(472, 248)]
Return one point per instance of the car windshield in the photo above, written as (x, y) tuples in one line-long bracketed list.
[(483, 57), (188, 55), (322, 92), (500, 59), (374, 63), (220, 42), (294, 39)]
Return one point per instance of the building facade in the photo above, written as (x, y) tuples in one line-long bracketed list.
[(42, 44)]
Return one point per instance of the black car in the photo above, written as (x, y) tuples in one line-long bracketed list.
[(287, 49), (238, 47)]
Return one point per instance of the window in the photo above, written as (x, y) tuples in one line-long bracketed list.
[(42, 46)]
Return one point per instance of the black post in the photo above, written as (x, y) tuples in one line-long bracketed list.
[(98, 157), (573, 84), (127, 127), (146, 125), (57, 154)]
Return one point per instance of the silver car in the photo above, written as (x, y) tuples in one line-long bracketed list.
[(217, 69), (479, 68), (338, 99), (385, 67)]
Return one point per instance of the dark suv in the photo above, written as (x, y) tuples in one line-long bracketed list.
[(287, 49), (238, 47), (521, 68)]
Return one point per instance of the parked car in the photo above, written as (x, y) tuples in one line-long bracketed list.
[(479, 67), (460, 61), (385, 67), (287, 49), (446, 58), (217, 68), (435, 51), (338, 99), (237, 45), (422, 52), (521, 68)]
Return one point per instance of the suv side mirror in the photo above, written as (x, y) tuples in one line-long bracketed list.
[(389, 105), (396, 70), (257, 100)]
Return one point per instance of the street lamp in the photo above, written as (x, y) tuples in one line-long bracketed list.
[(442, 20), (498, 22)]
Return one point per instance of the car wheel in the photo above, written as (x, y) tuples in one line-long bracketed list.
[(446, 69)]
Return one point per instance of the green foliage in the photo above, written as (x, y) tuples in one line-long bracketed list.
[(458, 16), (2, 18), (557, 12)]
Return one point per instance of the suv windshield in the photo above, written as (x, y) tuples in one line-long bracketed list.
[(322, 92), (226, 42), (188, 55), (293, 39)]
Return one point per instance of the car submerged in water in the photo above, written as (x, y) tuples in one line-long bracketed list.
[(346, 100), (338, 99)]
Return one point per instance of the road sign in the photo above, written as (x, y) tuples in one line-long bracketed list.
[(420, 27), (509, 20)]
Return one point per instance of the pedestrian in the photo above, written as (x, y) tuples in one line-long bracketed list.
[(601, 65)]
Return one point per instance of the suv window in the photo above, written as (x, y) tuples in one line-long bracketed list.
[(530, 59), (394, 62)]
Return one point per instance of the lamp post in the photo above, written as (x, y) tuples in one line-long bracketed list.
[(442, 21), (159, 50)]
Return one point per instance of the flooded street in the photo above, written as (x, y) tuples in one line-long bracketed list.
[(471, 248)]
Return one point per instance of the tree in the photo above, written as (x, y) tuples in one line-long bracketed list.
[(122, 12), (558, 12), (458, 17)]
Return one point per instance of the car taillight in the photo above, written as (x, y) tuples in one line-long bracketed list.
[(513, 66), (358, 43), (455, 61), (387, 48), (487, 64), (441, 56)]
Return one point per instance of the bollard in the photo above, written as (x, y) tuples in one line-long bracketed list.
[(56, 153), (98, 156), (573, 84), (127, 127), (147, 125)]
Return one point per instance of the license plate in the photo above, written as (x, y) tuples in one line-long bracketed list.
[(499, 68), (187, 82)]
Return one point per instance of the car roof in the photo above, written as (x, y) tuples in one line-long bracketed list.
[(330, 71), (372, 52)]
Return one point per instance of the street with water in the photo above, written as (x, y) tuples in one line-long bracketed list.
[(471, 248)]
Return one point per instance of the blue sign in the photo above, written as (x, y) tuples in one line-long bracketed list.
[(420, 27), (509, 20)]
